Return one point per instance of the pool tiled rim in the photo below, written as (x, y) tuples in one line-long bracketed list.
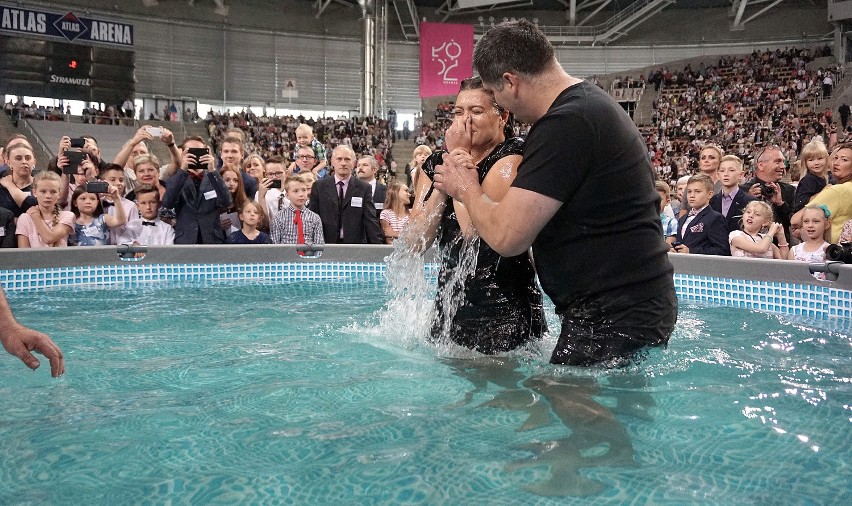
[(773, 296)]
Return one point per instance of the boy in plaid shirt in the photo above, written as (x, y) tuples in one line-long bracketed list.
[(296, 224)]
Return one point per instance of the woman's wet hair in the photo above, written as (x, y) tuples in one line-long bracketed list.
[(475, 83)]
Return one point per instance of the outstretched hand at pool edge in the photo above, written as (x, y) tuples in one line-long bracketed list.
[(21, 341)]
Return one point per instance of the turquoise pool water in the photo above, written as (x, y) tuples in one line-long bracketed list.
[(314, 393)]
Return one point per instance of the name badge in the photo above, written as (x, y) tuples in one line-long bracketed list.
[(2, 231), (210, 195), (357, 201), (380, 205)]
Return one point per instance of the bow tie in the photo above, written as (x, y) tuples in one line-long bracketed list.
[(693, 212), (106, 204), (149, 223)]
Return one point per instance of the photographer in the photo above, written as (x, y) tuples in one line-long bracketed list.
[(197, 193), (137, 146), (766, 185)]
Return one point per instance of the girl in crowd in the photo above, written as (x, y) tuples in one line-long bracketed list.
[(16, 183), (751, 241), (814, 159), (502, 305), (251, 216), (234, 184), (255, 166), (412, 169), (92, 224), (394, 216), (815, 227), (46, 224), (309, 178)]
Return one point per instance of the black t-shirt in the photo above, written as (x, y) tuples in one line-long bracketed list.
[(607, 237)]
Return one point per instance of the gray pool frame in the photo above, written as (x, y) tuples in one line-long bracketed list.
[(772, 285)]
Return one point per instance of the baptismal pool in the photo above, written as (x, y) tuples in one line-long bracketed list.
[(320, 392)]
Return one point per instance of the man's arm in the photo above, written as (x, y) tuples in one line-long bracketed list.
[(509, 226), (20, 341)]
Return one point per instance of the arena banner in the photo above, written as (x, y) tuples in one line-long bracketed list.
[(68, 26), (446, 57)]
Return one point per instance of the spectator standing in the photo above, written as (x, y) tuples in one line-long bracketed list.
[(701, 231), (345, 203), (767, 185), (366, 170), (197, 193), (730, 201)]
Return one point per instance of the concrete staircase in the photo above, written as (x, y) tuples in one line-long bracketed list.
[(8, 129), (402, 154)]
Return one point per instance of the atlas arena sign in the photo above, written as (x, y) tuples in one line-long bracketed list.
[(66, 26)]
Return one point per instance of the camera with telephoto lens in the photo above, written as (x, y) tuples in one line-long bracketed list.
[(839, 252)]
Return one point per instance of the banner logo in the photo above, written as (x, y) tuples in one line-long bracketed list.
[(446, 57), (70, 27)]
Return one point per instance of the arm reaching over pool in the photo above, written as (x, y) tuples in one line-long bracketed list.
[(20, 341)]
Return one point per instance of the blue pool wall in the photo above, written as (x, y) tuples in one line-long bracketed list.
[(768, 285)]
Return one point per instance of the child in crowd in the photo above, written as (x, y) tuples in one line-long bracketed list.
[(680, 186), (309, 178), (234, 184), (91, 225), (251, 216), (296, 224), (702, 231), (45, 225), (758, 230), (149, 229), (669, 223), (814, 158), (816, 225), (305, 138), (395, 215), (114, 175), (730, 201)]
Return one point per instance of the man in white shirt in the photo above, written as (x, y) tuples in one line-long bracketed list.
[(366, 171)]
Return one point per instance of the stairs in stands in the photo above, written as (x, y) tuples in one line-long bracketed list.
[(402, 154), (8, 129)]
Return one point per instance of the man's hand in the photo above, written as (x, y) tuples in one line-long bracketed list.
[(457, 174), (20, 341)]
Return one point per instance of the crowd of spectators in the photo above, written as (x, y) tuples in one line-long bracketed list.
[(738, 126), (276, 135), (741, 103)]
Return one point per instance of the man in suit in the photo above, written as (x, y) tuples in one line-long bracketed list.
[(366, 171), (730, 201), (197, 193), (345, 203), (702, 231), (767, 185)]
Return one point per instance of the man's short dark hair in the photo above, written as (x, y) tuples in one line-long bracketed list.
[(192, 138), (276, 159), (512, 46)]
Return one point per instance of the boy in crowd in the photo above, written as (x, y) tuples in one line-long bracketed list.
[(114, 175), (702, 231), (296, 224), (305, 139), (731, 201), (669, 223), (197, 192), (148, 230)]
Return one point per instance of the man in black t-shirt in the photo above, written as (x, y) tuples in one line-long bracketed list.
[(585, 190)]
